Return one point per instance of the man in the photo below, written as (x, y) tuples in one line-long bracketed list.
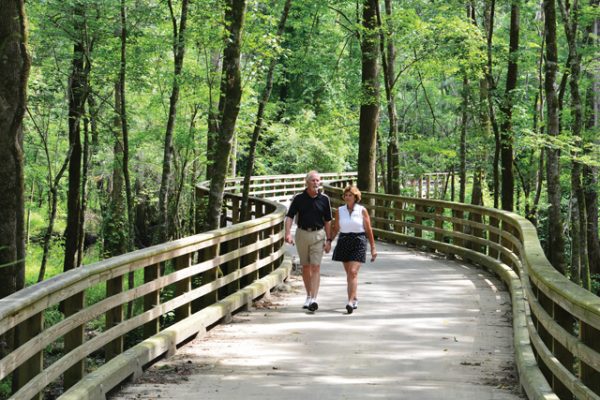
[(313, 235)]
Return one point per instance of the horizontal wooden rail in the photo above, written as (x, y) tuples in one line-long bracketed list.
[(556, 323), (184, 286), (183, 280)]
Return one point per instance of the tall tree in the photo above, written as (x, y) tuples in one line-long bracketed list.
[(507, 106), (590, 172), (388, 58), (579, 258), (14, 73), (14, 70), (178, 54), (258, 124), (229, 107), (369, 107), (555, 245)]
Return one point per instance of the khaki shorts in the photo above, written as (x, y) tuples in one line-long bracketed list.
[(310, 246)]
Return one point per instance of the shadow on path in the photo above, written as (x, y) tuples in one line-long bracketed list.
[(426, 328)]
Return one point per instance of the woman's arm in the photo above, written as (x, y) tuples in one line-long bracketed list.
[(369, 233)]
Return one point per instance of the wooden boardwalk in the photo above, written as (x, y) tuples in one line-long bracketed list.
[(426, 328)]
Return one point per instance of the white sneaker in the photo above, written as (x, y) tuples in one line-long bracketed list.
[(307, 302), (355, 304)]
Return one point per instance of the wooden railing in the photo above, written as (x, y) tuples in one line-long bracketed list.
[(184, 286), (556, 323)]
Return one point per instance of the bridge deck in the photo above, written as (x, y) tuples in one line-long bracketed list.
[(425, 328)]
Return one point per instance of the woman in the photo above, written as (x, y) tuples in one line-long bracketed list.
[(354, 226)]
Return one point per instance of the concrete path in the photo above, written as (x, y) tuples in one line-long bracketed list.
[(425, 328)]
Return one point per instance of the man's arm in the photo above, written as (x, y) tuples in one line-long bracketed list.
[(288, 230), (327, 245)]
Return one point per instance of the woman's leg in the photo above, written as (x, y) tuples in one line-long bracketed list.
[(352, 268)]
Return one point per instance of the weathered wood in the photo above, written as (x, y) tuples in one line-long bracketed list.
[(183, 286), (114, 316), (151, 300)]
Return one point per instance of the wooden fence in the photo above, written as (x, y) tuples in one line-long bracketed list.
[(556, 323), (183, 287)]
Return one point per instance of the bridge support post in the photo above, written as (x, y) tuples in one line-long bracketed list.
[(29, 369), (151, 300), (183, 286), (113, 318), (591, 337)]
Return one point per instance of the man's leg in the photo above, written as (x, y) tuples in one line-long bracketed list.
[(315, 280), (306, 277)]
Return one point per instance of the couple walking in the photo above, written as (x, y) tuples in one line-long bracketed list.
[(315, 234)]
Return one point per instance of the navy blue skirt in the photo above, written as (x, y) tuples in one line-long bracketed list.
[(351, 247)]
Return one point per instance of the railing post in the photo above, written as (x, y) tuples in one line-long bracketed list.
[(457, 215), (494, 237), (418, 220), (439, 223), (590, 336), (183, 286), (420, 187), (74, 339), (113, 318), (427, 185), (32, 367), (151, 300), (209, 276), (229, 267), (564, 356)]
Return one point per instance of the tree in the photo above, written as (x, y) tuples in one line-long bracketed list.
[(258, 124), (555, 245), (165, 182), (369, 108), (229, 107), (507, 105)]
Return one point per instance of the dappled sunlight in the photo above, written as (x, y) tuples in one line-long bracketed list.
[(428, 328)]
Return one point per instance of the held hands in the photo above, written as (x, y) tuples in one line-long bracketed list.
[(327, 246)]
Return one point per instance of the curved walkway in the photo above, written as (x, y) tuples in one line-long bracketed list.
[(426, 328)]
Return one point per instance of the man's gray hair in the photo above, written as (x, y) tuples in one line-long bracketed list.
[(309, 174)]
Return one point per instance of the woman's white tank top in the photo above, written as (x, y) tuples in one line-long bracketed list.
[(351, 223)]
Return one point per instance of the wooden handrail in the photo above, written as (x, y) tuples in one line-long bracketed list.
[(556, 323)]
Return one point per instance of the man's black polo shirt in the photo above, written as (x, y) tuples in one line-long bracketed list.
[(312, 211)]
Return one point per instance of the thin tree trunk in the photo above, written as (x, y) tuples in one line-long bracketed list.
[(555, 245), (258, 124), (213, 114), (491, 88), (506, 133), (369, 108), (115, 226), (125, 135), (229, 106), (165, 182), (392, 175), (462, 168)]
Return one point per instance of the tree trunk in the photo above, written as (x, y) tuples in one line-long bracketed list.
[(77, 93), (392, 175), (258, 124), (369, 108), (590, 173), (491, 87), (178, 54), (579, 256), (213, 114), (229, 107), (555, 245), (122, 110), (115, 226), (506, 135), (462, 168), (14, 70)]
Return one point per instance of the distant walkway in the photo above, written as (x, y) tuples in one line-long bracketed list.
[(425, 328)]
